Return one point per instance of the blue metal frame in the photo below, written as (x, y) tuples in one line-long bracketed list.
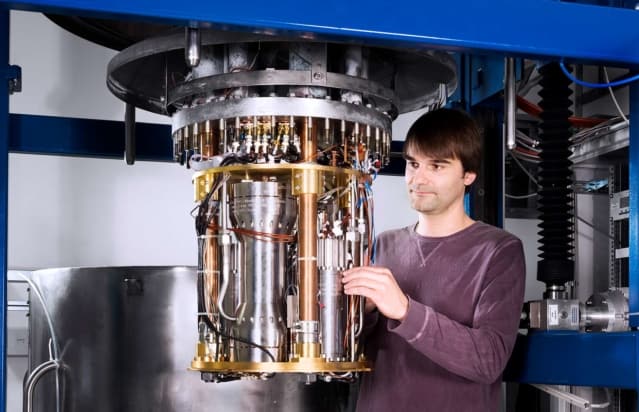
[(569, 29), (87, 137), (4, 195), (572, 358), (633, 269), (496, 27)]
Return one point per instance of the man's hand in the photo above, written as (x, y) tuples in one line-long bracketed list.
[(379, 287)]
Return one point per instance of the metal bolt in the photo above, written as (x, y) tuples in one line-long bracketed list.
[(317, 76), (207, 377)]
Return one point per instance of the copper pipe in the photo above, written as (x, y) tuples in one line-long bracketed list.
[(195, 137), (211, 271), (210, 140), (307, 253), (308, 257), (308, 138)]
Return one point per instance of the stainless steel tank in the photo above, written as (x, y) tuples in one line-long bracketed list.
[(125, 336)]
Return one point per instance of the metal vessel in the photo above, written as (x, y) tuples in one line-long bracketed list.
[(125, 336)]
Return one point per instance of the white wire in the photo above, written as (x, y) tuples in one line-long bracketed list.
[(520, 197), (523, 169), (54, 352), (604, 404), (523, 136), (36, 290), (614, 99)]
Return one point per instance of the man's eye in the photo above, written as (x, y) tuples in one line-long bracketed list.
[(414, 165)]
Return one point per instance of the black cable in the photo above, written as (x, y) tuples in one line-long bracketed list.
[(233, 158)]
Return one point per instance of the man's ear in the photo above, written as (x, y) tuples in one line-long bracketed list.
[(469, 178)]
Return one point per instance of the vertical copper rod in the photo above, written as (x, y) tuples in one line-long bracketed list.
[(308, 257), (211, 271), (308, 230)]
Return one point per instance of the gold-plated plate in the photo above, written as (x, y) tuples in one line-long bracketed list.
[(304, 182), (303, 365)]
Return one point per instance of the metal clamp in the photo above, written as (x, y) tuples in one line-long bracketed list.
[(14, 76)]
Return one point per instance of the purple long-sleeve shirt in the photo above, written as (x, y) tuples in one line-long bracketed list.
[(465, 297)]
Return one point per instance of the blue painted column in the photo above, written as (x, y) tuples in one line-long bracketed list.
[(4, 189), (633, 241)]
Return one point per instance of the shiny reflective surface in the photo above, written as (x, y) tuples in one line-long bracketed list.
[(126, 338)]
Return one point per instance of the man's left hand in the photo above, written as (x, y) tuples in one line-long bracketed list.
[(379, 285)]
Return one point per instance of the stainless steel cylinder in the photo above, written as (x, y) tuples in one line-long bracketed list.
[(238, 62), (332, 314), (193, 46), (124, 335), (605, 312), (260, 212)]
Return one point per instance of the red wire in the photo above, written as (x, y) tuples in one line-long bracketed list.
[(579, 122)]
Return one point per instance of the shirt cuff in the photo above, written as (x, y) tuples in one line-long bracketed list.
[(413, 325)]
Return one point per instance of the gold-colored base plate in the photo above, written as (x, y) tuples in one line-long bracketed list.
[(302, 365)]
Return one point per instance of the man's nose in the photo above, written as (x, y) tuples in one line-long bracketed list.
[(421, 176)]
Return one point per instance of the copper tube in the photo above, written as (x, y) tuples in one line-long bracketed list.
[(344, 142), (210, 140), (196, 137), (211, 271), (308, 139), (308, 257), (308, 231)]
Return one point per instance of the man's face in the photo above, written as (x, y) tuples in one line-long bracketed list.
[(435, 185)]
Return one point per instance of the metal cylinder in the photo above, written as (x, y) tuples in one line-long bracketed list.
[(510, 108), (193, 45), (261, 211), (332, 314), (238, 62), (123, 334), (356, 64), (308, 256), (605, 312)]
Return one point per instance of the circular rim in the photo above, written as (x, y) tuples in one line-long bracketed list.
[(278, 78), (417, 76), (281, 106)]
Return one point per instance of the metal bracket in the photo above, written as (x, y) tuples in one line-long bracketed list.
[(318, 64), (14, 76)]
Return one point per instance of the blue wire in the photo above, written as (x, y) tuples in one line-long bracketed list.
[(374, 250), (597, 85)]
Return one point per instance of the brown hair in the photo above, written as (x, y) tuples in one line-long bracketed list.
[(446, 134)]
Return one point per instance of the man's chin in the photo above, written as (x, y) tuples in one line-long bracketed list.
[(421, 207)]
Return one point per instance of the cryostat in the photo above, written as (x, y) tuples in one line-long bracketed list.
[(285, 138)]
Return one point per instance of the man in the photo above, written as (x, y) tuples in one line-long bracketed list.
[(445, 296)]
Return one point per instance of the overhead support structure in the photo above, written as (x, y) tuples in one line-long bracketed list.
[(5, 81), (481, 28), (493, 28)]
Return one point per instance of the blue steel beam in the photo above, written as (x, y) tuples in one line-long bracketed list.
[(86, 137), (633, 218), (633, 241), (566, 30), (4, 189), (571, 358)]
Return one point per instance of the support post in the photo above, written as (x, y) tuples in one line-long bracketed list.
[(4, 189)]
